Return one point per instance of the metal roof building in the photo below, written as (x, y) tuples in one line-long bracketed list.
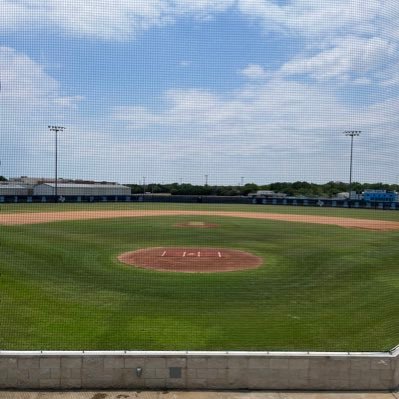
[(68, 189), (13, 189)]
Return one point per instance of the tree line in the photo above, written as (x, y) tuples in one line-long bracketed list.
[(294, 189)]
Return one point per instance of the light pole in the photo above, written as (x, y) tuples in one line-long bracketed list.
[(206, 180), (56, 129), (351, 134)]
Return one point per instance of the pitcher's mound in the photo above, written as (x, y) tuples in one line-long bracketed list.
[(201, 225), (191, 260)]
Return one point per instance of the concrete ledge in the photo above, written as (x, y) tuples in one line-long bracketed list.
[(199, 370)]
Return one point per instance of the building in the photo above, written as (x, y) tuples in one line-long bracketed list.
[(356, 196), (380, 195), (342, 196), (73, 189), (30, 181), (13, 189), (267, 194)]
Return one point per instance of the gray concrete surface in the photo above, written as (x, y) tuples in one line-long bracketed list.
[(195, 395), (307, 371)]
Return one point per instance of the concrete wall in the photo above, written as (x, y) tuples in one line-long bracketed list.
[(199, 370)]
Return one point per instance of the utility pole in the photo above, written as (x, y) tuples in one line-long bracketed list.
[(56, 129), (351, 134), (206, 180), (144, 185)]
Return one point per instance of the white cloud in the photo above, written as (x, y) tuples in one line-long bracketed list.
[(269, 114), (124, 19), (343, 39), (110, 20), (349, 58), (25, 83), (255, 71), (272, 129), (277, 130), (30, 99), (202, 6), (23, 79), (185, 63), (315, 17)]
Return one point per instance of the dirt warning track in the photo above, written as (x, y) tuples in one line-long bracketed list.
[(46, 217)]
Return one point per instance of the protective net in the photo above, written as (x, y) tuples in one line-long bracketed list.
[(199, 175)]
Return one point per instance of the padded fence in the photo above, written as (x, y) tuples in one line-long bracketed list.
[(192, 199)]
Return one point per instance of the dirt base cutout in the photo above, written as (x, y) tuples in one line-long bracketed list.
[(198, 225), (191, 260)]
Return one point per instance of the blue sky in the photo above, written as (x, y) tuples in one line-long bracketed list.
[(176, 89)]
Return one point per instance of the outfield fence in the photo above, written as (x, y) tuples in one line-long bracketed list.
[(192, 199)]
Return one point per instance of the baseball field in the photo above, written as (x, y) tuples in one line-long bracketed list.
[(197, 277)]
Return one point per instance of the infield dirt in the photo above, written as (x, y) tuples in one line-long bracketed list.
[(46, 217)]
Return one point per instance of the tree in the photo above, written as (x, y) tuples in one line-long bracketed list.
[(136, 189), (249, 188)]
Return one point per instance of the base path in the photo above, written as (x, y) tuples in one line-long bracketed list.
[(191, 260), (35, 218)]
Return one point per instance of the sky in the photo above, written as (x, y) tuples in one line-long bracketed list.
[(173, 90)]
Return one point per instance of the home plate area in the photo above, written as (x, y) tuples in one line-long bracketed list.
[(191, 260)]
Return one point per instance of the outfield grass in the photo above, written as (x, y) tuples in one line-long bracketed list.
[(320, 288)]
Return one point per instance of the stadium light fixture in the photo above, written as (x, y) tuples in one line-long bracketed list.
[(351, 134), (56, 129)]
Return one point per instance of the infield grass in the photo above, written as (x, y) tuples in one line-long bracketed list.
[(320, 287)]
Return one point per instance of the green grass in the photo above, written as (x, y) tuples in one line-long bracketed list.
[(320, 287)]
